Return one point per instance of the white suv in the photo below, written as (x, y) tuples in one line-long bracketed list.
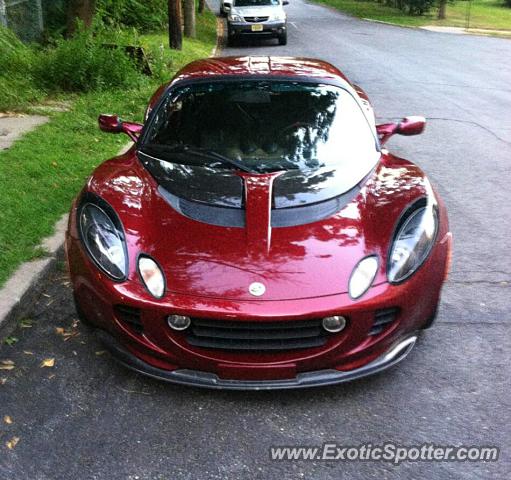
[(265, 18)]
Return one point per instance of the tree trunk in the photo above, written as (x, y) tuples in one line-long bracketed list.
[(190, 18), (3, 14), (175, 33), (82, 10), (202, 6), (441, 9)]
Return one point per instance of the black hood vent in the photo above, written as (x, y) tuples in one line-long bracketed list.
[(216, 196)]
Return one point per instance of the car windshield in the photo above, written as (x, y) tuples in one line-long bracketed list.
[(262, 126), (255, 3)]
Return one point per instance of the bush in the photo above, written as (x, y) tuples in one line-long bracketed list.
[(418, 7), (412, 7), (16, 64), (83, 63), (143, 15)]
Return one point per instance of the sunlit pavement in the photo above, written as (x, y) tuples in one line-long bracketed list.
[(87, 417)]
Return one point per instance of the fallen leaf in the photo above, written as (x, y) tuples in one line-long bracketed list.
[(47, 363), (3, 380), (67, 334), (8, 420), (51, 376), (6, 364), (11, 444), (26, 352), (101, 352), (26, 323)]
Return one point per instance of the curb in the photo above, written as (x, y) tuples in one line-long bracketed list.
[(25, 286), (220, 29), (475, 32)]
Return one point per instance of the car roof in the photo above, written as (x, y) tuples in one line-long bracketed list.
[(288, 67)]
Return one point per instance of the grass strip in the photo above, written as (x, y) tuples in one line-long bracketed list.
[(484, 14)]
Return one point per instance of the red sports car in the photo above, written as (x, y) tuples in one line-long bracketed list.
[(257, 235)]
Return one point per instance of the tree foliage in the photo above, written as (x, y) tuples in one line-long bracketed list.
[(143, 15), (412, 7)]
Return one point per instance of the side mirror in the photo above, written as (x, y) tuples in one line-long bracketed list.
[(413, 125), (113, 124)]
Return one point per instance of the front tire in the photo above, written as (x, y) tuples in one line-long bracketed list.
[(283, 39), (232, 40), (81, 314), (429, 323)]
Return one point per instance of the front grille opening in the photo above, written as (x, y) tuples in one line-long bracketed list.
[(383, 319), (130, 317), (255, 336), (256, 19)]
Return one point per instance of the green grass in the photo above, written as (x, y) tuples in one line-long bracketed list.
[(42, 172), (485, 14)]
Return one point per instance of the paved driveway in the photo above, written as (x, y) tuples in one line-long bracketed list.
[(88, 418)]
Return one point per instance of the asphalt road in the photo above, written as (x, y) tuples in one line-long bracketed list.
[(87, 418)]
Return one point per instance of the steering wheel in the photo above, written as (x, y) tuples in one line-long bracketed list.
[(295, 125)]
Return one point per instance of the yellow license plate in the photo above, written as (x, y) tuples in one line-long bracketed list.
[(257, 28)]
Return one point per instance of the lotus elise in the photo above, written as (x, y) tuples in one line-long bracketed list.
[(257, 234)]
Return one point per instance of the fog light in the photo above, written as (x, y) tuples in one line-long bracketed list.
[(178, 322), (334, 324)]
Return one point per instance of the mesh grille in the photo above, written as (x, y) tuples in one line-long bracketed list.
[(382, 319), (255, 336), (130, 317), (256, 19)]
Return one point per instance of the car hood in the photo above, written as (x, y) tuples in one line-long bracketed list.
[(264, 11), (302, 261)]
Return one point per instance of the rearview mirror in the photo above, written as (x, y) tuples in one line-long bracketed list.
[(413, 125), (113, 124)]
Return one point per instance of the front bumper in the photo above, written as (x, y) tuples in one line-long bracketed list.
[(302, 380), (274, 29), (159, 352), (162, 353)]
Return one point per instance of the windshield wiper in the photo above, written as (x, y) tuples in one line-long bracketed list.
[(199, 152)]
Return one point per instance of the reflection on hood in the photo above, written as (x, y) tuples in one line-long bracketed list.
[(220, 187)]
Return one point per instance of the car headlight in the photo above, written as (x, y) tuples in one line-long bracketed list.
[(235, 18), (278, 17), (362, 276), (412, 243), (103, 238), (152, 276)]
